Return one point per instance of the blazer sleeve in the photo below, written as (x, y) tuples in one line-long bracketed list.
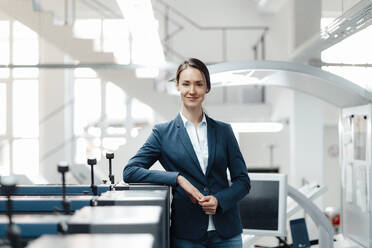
[(137, 169), (241, 185)]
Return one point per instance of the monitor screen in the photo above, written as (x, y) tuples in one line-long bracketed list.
[(263, 210)]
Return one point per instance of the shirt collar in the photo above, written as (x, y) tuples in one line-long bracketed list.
[(185, 120)]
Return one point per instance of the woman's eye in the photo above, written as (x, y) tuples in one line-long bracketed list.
[(185, 84)]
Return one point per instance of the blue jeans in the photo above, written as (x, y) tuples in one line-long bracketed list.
[(210, 240)]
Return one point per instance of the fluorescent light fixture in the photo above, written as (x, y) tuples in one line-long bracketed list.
[(257, 127), (353, 20), (146, 45), (234, 78)]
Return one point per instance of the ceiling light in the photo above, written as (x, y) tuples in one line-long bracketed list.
[(146, 45), (357, 17), (233, 78), (257, 127)]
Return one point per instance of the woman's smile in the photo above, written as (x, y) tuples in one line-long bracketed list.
[(192, 98)]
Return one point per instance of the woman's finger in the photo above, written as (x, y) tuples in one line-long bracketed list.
[(209, 209), (208, 204), (210, 212)]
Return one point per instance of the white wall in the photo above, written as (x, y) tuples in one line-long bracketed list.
[(256, 151), (306, 20), (332, 170), (306, 140)]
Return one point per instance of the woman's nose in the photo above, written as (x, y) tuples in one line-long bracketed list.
[(192, 89)]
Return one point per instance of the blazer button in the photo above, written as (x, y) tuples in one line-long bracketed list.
[(206, 189)]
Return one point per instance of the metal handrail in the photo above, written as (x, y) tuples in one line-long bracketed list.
[(211, 27), (223, 29), (70, 9)]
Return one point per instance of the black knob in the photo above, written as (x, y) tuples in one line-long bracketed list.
[(62, 167), (8, 185), (109, 155), (92, 161)]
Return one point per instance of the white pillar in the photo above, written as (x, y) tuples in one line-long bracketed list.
[(306, 147), (55, 119), (306, 140)]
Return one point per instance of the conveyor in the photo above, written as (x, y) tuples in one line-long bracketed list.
[(94, 241), (33, 225), (45, 203), (141, 198), (54, 189), (134, 209), (118, 219)]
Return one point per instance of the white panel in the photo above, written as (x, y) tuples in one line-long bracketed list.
[(25, 108), (356, 173), (3, 108), (116, 107), (26, 156), (87, 107), (4, 158)]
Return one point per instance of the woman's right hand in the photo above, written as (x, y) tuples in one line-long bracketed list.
[(193, 192)]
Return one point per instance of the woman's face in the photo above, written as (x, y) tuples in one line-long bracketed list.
[(192, 87)]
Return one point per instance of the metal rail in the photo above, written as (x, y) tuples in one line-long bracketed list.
[(223, 30)]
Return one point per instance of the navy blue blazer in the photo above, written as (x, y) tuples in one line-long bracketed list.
[(170, 144)]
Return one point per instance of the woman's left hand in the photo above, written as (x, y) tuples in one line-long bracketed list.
[(209, 204)]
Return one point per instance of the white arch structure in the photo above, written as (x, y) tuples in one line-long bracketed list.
[(299, 77)]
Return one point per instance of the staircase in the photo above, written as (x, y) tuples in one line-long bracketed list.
[(82, 50)]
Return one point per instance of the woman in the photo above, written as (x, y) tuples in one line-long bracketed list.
[(196, 151)]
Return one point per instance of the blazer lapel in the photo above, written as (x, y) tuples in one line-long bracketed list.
[(211, 135), (185, 139)]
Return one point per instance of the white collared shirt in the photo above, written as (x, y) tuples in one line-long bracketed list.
[(199, 140)]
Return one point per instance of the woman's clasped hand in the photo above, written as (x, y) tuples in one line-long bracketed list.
[(209, 203)]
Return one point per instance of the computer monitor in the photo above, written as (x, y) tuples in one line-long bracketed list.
[(263, 211)]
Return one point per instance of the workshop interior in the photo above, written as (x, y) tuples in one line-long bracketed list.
[(84, 82)]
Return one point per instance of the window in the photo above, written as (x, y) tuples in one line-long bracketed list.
[(4, 157), (115, 102), (19, 142), (102, 120), (87, 104), (25, 45), (3, 107), (26, 156), (115, 42), (25, 108), (101, 116), (352, 50), (108, 35), (97, 130)]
